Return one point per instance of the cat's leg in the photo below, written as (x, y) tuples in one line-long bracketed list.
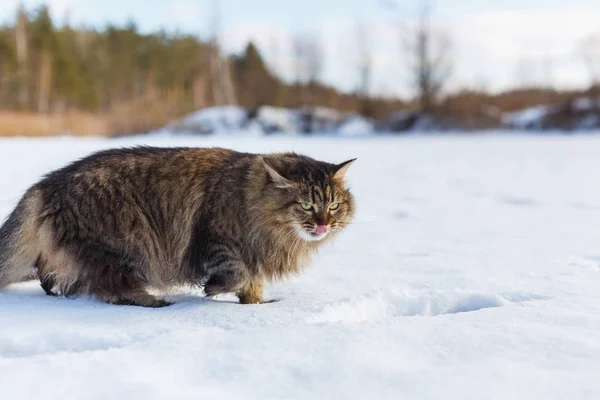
[(117, 277), (92, 269), (229, 278), (252, 292), (49, 275), (119, 284), (131, 297), (227, 272)]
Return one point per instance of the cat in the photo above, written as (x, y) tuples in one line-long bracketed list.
[(122, 221)]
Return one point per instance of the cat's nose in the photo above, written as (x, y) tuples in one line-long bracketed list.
[(321, 229)]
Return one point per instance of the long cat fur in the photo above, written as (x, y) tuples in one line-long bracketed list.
[(119, 222)]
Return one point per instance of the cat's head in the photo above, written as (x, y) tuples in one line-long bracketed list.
[(309, 196)]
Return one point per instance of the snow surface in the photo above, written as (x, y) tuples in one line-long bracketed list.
[(472, 272), (533, 118), (356, 125), (278, 119), (527, 118), (228, 120), (224, 120)]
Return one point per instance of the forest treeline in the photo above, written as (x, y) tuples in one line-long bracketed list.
[(147, 79), (126, 81)]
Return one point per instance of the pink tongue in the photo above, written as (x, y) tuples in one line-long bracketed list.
[(321, 229)]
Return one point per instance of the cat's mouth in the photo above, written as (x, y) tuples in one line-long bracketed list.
[(313, 234)]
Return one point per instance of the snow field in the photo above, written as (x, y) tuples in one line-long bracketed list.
[(472, 272)]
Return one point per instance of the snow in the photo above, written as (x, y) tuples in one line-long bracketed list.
[(472, 272), (526, 118), (278, 119), (586, 104), (586, 118), (356, 125), (583, 104), (265, 120), (224, 119)]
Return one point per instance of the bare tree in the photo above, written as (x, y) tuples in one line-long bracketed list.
[(308, 65), (298, 60), (274, 54), (548, 67), (364, 58), (277, 66), (308, 59), (524, 73), (299, 67), (591, 54), (428, 50), (364, 63), (220, 72), (315, 59), (590, 50)]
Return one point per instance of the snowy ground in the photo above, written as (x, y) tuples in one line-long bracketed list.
[(473, 272)]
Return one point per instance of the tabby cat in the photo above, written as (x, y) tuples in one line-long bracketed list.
[(120, 222)]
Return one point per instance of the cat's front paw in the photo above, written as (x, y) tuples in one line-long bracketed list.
[(217, 284), (250, 298), (213, 290)]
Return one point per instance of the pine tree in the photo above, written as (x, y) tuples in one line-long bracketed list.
[(255, 84)]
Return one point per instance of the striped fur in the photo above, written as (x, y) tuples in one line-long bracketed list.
[(122, 221)]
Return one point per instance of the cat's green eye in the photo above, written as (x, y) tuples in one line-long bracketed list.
[(306, 206), (334, 206)]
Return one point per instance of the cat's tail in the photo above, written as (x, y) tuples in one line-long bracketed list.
[(19, 240)]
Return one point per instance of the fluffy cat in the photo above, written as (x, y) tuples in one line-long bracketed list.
[(118, 222)]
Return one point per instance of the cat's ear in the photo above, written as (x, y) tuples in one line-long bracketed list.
[(341, 169), (275, 177)]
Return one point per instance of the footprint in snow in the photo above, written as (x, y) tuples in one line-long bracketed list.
[(382, 306), (517, 201)]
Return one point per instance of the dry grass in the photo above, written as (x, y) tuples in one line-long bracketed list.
[(125, 119), (69, 123), (141, 116)]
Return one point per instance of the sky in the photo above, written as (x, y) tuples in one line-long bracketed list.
[(496, 44)]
